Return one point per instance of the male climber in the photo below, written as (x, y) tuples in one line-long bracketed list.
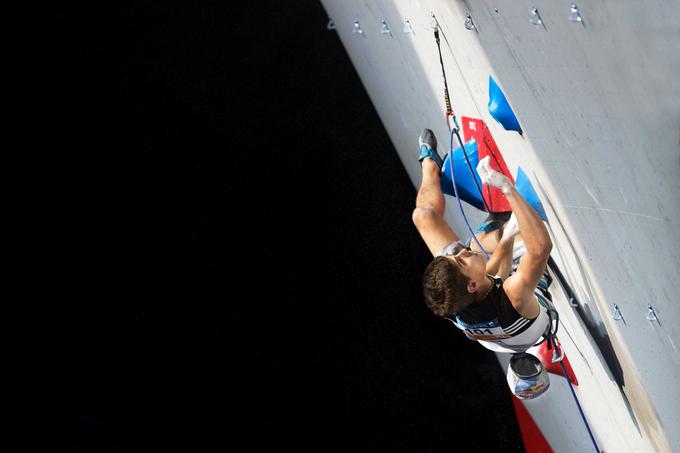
[(503, 314)]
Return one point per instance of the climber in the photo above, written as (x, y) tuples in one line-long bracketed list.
[(492, 301)]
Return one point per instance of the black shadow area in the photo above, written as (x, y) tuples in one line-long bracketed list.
[(212, 246)]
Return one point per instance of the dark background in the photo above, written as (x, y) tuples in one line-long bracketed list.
[(211, 246)]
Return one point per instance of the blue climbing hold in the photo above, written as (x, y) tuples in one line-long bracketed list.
[(467, 190), (500, 109), (524, 187)]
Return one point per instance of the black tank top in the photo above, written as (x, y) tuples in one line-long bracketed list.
[(492, 318)]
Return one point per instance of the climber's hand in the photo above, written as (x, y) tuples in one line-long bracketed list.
[(511, 228), (492, 177)]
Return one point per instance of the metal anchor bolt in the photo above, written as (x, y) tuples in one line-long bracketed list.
[(434, 23), (384, 29), (468, 23), (651, 316), (574, 14)]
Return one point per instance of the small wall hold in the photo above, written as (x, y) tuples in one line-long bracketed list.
[(331, 24), (617, 313), (384, 29), (407, 27), (651, 316), (468, 23), (356, 28), (534, 17), (574, 14)]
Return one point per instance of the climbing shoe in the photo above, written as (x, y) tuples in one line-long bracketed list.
[(428, 147), (494, 221)]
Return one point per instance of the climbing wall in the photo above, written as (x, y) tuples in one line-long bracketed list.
[(597, 93)]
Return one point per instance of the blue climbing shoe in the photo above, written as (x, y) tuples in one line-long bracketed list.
[(428, 148), (493, 221)]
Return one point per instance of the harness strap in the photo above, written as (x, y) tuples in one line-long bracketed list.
[(553, 325)]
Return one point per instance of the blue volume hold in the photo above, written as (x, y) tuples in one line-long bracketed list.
[(524, 187), (467, 190), (500, 109)]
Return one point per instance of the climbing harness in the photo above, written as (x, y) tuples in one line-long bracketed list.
[(550, 334)]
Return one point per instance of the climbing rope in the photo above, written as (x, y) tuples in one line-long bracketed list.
[(551, 338), (460, 205), (552, 341), (585, 421)]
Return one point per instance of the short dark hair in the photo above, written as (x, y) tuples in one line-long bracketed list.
[(445, 287)]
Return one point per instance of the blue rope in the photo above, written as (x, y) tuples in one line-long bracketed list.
[(460, 205), (564, 370)]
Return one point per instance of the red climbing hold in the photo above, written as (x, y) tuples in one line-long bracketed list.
[(486, 146)]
